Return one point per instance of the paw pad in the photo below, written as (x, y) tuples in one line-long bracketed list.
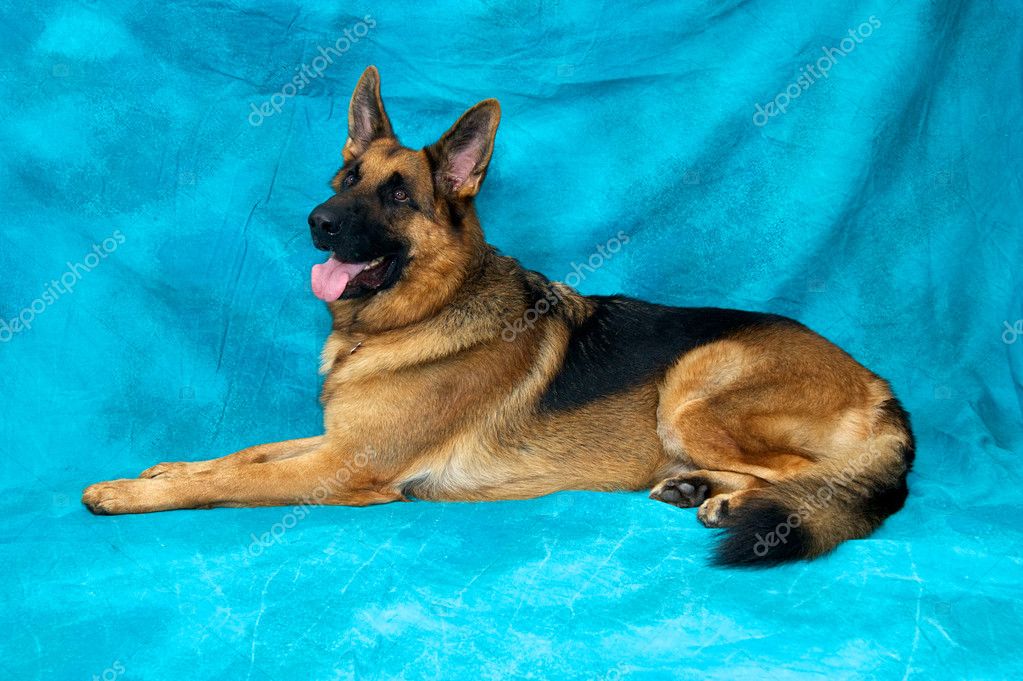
[(682, 491)]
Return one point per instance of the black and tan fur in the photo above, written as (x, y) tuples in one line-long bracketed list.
[(759, 422)]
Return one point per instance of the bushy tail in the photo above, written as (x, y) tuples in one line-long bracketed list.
[(809, 515)]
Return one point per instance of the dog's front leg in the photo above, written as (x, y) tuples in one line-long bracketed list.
[(257, 454), (316, 476)]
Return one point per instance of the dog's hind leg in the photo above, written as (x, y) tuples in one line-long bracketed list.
[(706, 420), (297, 474)]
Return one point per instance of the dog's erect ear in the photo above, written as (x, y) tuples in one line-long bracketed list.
[(367, 119), (461, 156)]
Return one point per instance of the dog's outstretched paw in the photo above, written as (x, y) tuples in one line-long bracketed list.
[(116, 497), (106, 498), (682, 491)]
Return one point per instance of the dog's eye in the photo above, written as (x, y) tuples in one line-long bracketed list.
[(349, 179), (400, 195)]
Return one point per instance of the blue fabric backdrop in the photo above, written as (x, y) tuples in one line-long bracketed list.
[(158, 167)]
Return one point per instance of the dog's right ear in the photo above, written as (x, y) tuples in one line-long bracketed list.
[(367, 119)]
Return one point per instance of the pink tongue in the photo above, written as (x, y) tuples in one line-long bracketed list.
[(331, 278)]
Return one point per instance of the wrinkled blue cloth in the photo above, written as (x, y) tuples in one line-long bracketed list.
[(856, 165)]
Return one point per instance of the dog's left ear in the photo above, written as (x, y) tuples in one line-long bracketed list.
[(461, 156), (367, 119)]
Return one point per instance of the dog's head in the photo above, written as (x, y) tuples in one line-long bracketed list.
[(401, 224)]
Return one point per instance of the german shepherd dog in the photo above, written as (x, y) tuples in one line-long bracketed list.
[(773, 433)]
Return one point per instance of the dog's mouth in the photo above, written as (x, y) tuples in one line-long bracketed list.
[(337, 279)]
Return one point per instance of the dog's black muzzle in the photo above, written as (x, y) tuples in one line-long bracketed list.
[(350, 231)]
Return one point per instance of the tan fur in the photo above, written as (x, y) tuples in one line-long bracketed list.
[(771, 405), (451, 413), (423, 396)]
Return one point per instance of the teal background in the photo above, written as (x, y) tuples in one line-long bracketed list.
[(883, 208)]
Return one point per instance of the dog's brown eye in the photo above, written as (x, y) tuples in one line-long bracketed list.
[(400, 195), (349, 180)]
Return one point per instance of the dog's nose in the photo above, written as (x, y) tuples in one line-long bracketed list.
[(325, 220)]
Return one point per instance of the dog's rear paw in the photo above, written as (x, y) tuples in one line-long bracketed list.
[(682, 491), (715, 512)]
